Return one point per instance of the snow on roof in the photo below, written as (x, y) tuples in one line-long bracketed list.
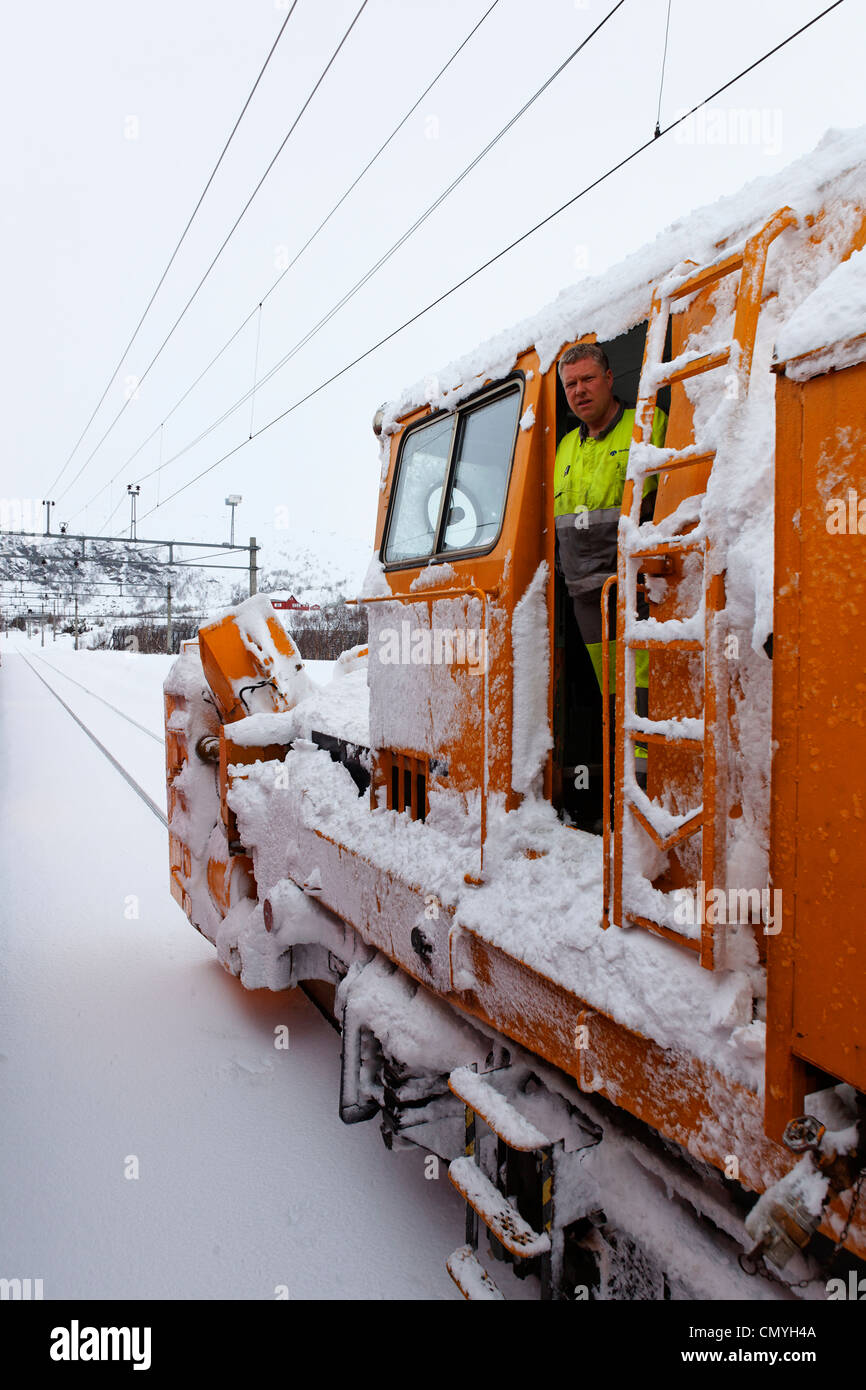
[(829, 318), (612, 303)]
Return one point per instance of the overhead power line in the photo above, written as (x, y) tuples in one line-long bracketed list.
[(222, 247), (386, 256), (152, 434), (310, 239), (180, 242), (627, 159), (658, 129)]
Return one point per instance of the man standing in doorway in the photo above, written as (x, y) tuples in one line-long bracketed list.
[(589, 477)]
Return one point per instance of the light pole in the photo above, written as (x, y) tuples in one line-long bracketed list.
[(133, 489), (233, 500)]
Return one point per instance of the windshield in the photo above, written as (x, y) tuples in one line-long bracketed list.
[(469, 453)]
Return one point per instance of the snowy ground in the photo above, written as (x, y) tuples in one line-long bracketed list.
[(125, 1044)]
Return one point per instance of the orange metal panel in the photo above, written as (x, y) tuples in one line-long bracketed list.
[(682, 1098), (231, 753), (818, 972), (230, 879), (503, 576), (785, 1078)]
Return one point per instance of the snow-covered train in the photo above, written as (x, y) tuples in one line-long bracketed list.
[(643, 1053)]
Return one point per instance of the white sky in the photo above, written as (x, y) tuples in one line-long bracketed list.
[(90, 216)]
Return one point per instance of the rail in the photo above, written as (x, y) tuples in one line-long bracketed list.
[(139, 790)]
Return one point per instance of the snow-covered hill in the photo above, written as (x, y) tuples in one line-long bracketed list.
[(116, 578)]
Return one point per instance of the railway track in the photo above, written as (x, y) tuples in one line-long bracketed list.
[(157, 738), (118, 766)]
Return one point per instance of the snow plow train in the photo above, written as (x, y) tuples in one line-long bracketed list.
[(642, 1052)]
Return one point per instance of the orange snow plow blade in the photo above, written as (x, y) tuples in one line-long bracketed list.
[(236, 659)]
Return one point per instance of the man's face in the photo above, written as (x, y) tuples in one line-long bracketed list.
[(588, 390)]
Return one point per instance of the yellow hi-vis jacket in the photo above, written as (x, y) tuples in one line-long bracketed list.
[(588, 482)]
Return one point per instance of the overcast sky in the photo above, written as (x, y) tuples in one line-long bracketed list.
[(114, 117)]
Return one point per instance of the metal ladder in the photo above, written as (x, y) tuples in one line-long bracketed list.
[(703, 735)]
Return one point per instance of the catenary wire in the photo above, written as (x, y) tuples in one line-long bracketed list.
[(627, 159), (255, 375), (173, 255), (219, 252), (203, 373), (386, 256), (339, 203), (658, 129)]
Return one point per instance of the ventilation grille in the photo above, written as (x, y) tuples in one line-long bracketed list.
[(405, 778)]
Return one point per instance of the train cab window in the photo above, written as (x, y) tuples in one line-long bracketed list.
[(483, 459), (451, 481), (423, 467)]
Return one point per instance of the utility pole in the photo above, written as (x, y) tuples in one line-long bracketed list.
[(54, 621), (47, 506), (253, 582), (168, 620), (76, 622), (42, 624)]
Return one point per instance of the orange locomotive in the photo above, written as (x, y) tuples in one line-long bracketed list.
[(619, 1042)]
